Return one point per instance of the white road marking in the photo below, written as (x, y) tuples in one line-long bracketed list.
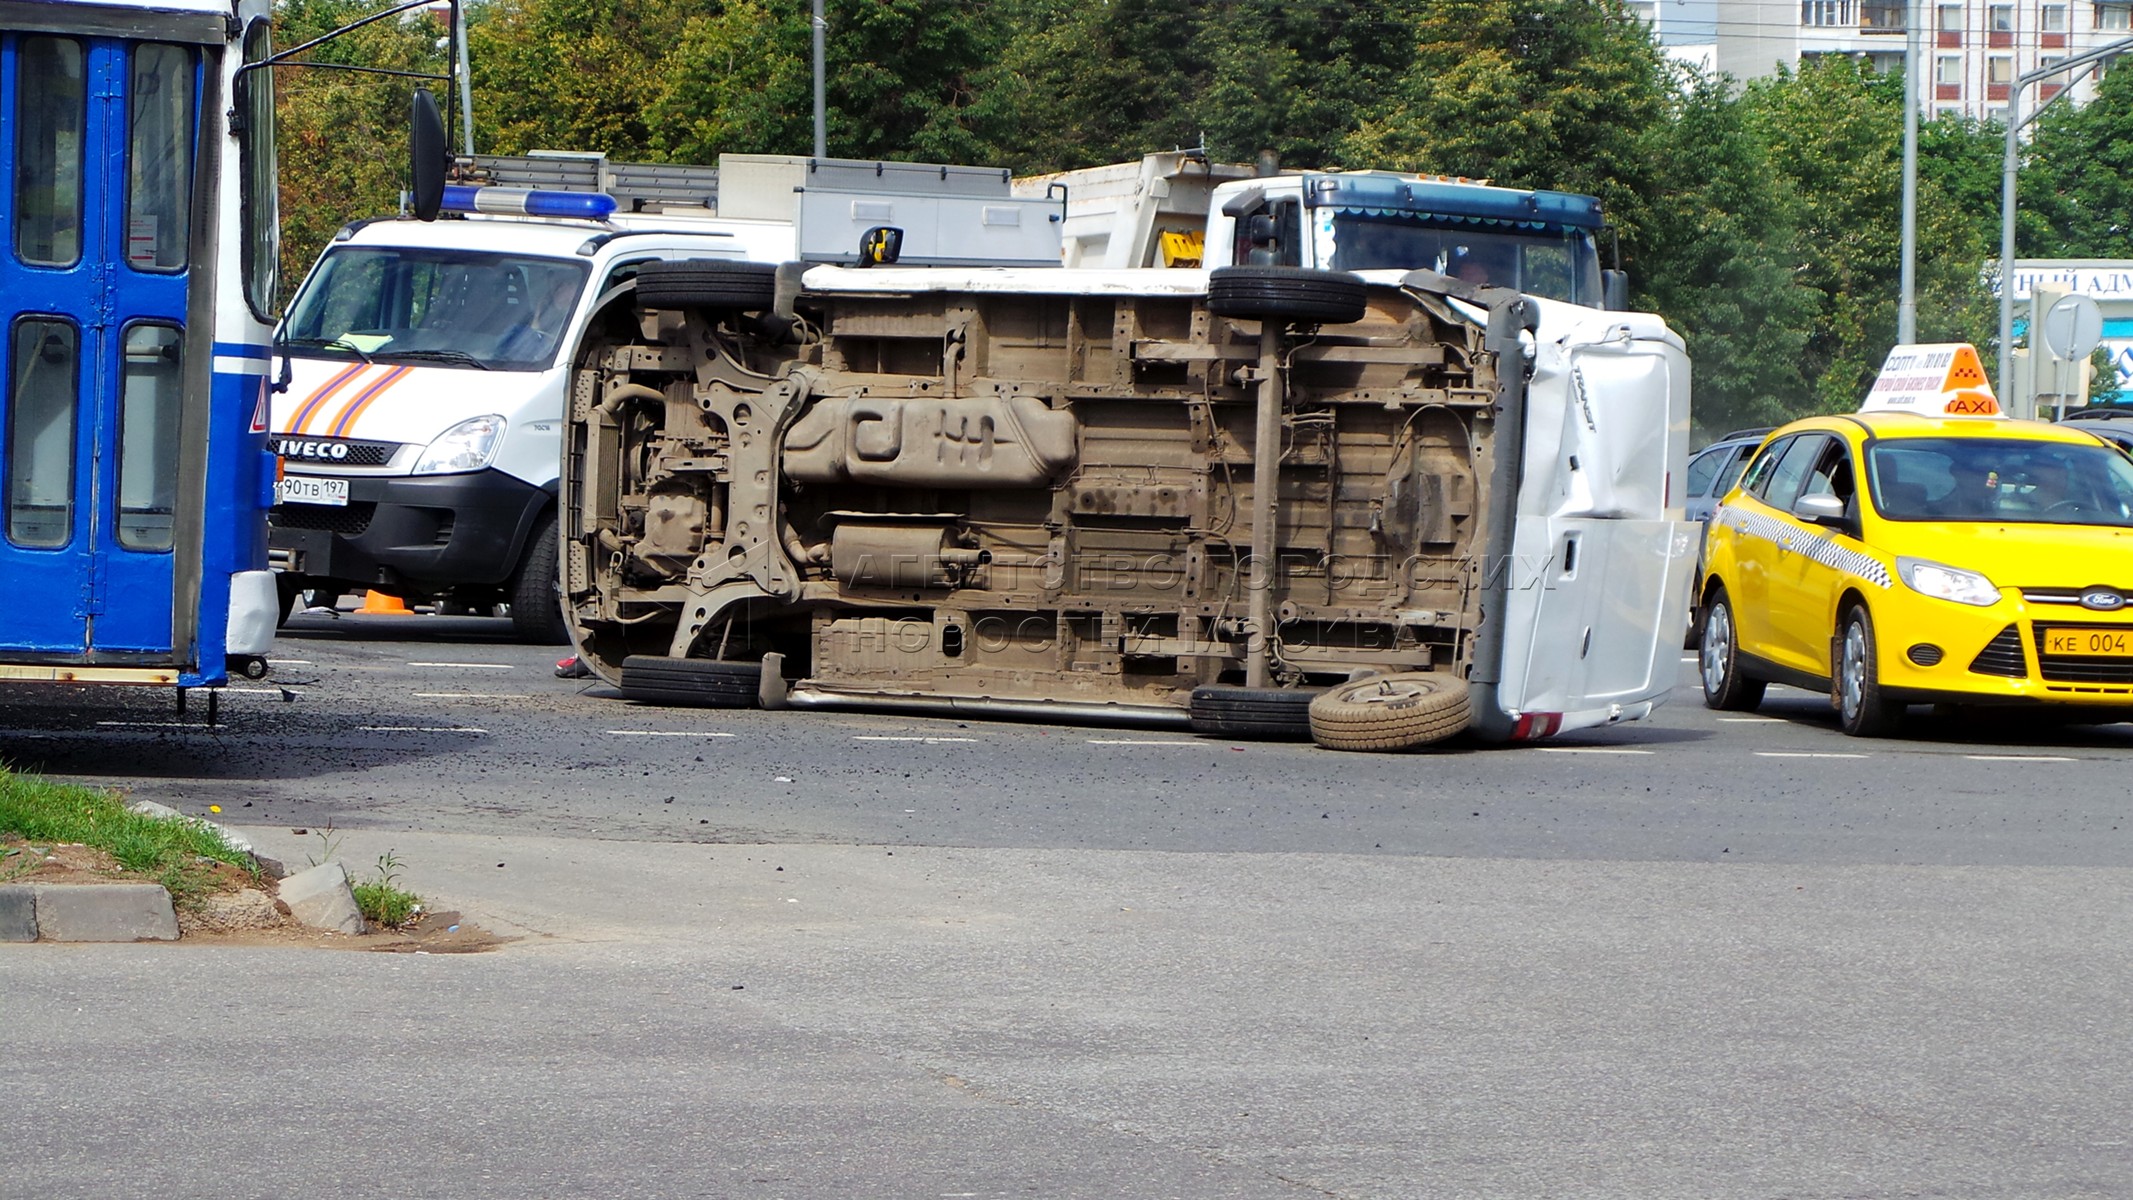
[(467, 695), (882, 737), (420, 729), (1690, 658), (467, 666), (1806, 754), (295, 662), (254, 691), (148, 724), (1753, 720), (1141, 742), (1589, 750), (2019, 758), (663, 733)]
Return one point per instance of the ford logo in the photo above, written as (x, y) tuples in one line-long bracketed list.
[(2103, 599), (329, 451)]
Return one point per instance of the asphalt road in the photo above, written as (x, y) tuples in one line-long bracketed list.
[(814, 955)]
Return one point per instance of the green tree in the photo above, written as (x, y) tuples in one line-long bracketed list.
[(2076, 187), (571, 74)]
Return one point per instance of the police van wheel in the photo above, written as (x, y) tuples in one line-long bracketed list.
[(1287, 293), (707, 283), (1256, 714), (695, 682), (536, 594), (1391, 712)]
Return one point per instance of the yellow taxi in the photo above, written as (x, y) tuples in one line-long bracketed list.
[(1925, 550)]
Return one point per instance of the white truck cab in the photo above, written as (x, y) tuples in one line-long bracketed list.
[(419, 428), (1179, 209)]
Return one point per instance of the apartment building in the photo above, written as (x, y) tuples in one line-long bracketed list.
[(1974, 49)]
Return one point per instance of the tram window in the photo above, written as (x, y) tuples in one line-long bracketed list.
[(44, 376), (159, 157), (51, 106), (262, 238), (148, 437)]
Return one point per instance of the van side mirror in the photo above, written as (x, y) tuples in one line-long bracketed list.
[(881, 244), (426, 156), (1614, 291)]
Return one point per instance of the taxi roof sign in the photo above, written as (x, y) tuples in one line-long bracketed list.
[(1942, 379)]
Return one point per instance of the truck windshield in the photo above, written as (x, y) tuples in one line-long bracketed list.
[(2000, 480), (1559, 264), (449, 308)]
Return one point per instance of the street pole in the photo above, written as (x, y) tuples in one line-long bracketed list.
[(466, 77), (2008, 163), (821, 120), (1913, 93)]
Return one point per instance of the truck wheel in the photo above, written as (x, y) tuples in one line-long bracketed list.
[(1290, 293), (1391, 712), (707, 283), (1258, 714), (537, 591), (697, 682), (289, 591)]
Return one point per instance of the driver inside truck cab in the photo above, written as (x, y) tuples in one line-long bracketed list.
[(1481, 266)]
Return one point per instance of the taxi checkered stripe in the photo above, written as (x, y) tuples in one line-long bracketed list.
[(1817, 547)]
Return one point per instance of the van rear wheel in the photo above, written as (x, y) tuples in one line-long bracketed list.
[(1287, 293), (707, 283), (694, 682)]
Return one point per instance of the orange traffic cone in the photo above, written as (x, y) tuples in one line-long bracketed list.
[(379, 602)]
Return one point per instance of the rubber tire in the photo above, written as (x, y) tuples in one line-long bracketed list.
[(1296, 294), (1868, 714), (1718, 661), (537, 616), (707, 283), (692, 682), (1256, 714), (1391, 712), (289, 590)]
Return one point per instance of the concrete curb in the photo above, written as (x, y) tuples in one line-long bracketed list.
[(86, 912)]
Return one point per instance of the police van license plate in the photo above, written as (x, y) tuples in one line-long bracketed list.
[(2090, 643), (310, 489)]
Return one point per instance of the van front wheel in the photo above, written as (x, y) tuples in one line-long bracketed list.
[(537, 591)]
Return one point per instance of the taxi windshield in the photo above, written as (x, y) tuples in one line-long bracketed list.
[(2000, 480), (451, 308)]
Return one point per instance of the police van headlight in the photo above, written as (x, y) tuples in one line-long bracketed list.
[(467, 446), (1947, 583)]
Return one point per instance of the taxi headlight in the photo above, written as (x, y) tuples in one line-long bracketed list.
[(1947, 583), (467, 446)]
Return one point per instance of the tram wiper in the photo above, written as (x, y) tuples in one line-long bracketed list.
[(460, 357)]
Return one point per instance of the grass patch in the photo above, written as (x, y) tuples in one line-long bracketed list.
[(382, 900), (162, 850)]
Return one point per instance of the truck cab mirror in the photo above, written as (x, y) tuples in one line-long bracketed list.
[(1614, 291), (427, 156), (881, 244), (1259, 229)]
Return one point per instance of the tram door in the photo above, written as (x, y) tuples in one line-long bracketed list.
[(98, 143)]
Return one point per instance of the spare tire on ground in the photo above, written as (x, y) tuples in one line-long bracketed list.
[(1391, 712), (1296, 294), (1258, 714), (697, 682), (707, 283)]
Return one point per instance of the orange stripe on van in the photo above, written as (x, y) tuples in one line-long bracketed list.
[(368, 396), (317, 400)]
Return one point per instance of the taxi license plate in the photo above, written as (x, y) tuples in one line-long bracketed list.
[(2090, 643), (310, 489)]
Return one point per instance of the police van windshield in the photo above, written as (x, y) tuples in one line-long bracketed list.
[(1557, 264), (2000, 480), (449, 308)]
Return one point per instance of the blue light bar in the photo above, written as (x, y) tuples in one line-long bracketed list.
[(592, 206), (1429, 197)]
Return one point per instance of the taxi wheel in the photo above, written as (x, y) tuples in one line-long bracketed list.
[(1861, 708), (1718, 662)]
